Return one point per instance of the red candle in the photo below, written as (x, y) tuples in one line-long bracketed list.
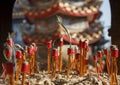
[(25, 67), (18, 54), (49, 44)]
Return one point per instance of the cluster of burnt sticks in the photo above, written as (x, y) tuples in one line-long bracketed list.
[(111, 64), (77, 59), (19, 60)]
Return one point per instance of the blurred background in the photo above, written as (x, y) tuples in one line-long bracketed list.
[(33, 21)]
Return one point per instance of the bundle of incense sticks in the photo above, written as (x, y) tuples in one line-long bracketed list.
[(73, 59), (77, 59), (34, 56), (18, 63), (100, 61), (107, 60), (49, 46), (113, 76), (83, 46), (96, 66), (54, 61), (81, 57), (24, 70), (31, 58), (69, 52), (60, 54), (85, 50)]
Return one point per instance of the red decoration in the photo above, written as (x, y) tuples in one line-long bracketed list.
[(86, 62), (25, 67), (70, 51), (85, 45), (10, 42), (49, 44), (105, 51), (31, 50), (77, 56), (18, 54), (35, 49), (55, 52), (61, 43), (95, 58), (99, 54), (115, 53), (80, 43), (9, 68), (8, 52), (76, 50)]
